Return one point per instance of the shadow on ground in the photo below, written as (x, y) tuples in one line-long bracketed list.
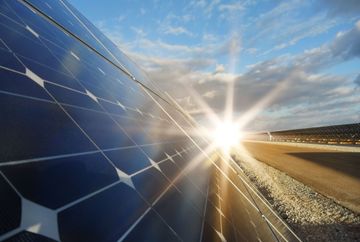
[(345, 162)]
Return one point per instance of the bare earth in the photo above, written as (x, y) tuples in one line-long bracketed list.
[(335, 174)]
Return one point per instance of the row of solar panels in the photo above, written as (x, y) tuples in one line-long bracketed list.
[(346, 134), (92, 150)]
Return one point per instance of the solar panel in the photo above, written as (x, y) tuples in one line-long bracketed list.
[(92, 150)]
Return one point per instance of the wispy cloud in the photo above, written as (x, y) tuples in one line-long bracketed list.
[(231, 7), (177, 30), (313, 91), (206, 61)]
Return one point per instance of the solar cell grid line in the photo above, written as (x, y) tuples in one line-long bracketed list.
[(86, 44), (37, 159), (204, 210), (172, 183), (131, 66), (255, 206), (46, 90), (87, 33), (206, 155), (249, 185)]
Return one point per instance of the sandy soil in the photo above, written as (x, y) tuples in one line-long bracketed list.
[(335, 174)]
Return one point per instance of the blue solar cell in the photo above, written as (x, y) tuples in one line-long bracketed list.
[(66, 96), (37, 129), (8, 60), (103, 217), (150, 184), (66, 179), (155, 152), (129, 160), (170, 170), (10, 207), (148, 230), (20, 84), (135, 132), (116, 54), (101, 128), (191, 193), (178, 212), (112, 108), (7, 12), (54, 74), (58, 12)]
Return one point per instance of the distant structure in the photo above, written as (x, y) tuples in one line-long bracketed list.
[(346, 134)]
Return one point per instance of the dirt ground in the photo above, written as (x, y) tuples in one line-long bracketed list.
[(335, 174)]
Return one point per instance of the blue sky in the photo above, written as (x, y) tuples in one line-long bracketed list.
[(301, 56)]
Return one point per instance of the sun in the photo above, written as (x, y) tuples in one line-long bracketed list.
[(227, 135)]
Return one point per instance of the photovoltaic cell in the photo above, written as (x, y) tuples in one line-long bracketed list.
[(10, 207), (104, 217), (33, 128), (92, 150), (67, 179), (147, 230)]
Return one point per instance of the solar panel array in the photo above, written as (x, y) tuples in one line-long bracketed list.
[(92, 150), (345, 134)]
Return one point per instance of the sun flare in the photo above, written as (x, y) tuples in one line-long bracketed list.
[(227, 135)]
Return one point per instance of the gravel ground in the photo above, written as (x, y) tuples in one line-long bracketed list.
[(312, 216)]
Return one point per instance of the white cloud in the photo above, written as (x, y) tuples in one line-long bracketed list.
[(237, 6), (209, 94), (219, 68), (308, 91), (172, 25), (139, 31), (177, 30)]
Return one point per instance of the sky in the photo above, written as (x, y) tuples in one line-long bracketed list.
[(291, 64)]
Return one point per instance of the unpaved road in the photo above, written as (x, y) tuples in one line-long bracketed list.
[(334, 174)]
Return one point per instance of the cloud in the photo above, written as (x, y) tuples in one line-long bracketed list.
[(237, 6), (313, 26), (138, 31), (171, 25), (209, 94), (306, 93), (177, 30), (203, 5), (219, 68), (347, 44), (283, 26), (357, 80), (343, 8)]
